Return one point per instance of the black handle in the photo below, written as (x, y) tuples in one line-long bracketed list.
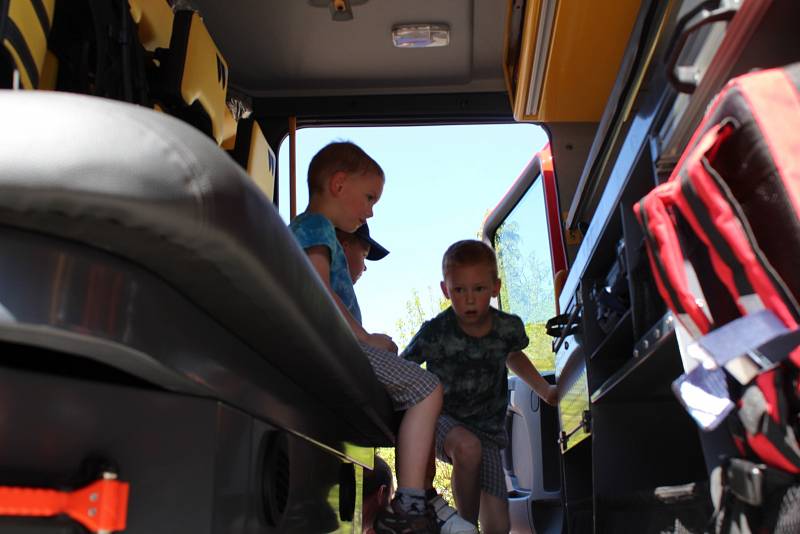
[(562, 326), (684, 78)]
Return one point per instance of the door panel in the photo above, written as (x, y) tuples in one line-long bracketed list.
[(526, 234), (531, 461)]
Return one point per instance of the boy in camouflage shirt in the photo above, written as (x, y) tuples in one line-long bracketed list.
[(468, 346), (359, 246)]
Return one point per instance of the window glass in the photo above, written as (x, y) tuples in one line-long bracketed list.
[(523, 254), (441, 182)]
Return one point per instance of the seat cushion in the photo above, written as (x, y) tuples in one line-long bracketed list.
[(155, 191)]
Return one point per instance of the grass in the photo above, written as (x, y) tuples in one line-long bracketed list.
[(441, 481)]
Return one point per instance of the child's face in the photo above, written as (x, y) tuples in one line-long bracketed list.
[(470, 289), (356, 250), (356, 195)]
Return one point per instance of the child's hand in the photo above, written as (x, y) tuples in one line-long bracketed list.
[(550, 395), (381, 341)]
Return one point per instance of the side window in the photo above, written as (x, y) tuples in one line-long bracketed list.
[(523, 254)]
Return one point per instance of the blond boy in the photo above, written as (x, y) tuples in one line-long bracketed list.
[(344, 184), (469, 346), (358, 247)]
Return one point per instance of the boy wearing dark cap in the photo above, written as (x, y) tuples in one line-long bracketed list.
[(378, 490), (359, 246)]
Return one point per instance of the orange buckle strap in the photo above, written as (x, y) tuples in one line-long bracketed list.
[(101, 507)]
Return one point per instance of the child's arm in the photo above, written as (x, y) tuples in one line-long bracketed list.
[(522, 366), (320, 259)]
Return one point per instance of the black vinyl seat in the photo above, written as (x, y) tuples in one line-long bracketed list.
[(153, 192)]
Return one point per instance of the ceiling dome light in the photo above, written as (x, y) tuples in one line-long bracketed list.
[(420, 35)]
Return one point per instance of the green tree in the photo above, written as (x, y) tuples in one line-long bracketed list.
[(441, 480), (527, 290), (418, 310)]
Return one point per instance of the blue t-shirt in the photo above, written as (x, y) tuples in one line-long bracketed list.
[(312, 230)]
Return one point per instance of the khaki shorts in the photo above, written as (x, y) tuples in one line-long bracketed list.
[(406, 382), (493, 478)]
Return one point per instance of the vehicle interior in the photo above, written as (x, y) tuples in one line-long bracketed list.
[(158, 321)]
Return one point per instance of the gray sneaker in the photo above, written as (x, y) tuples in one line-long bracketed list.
[(449, 520), (392, 521)]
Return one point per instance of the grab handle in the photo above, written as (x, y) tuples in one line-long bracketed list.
[(684, 78)]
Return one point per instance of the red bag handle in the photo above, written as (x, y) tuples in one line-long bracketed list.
[(667, 261)]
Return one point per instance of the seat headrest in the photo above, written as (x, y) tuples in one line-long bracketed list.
[(196, 74), (154, 19), (253, 153)]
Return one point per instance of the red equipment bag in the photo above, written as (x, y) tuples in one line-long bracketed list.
[(736, 193), (723, 239)]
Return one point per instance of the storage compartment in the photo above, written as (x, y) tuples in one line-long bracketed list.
[(531, 459), (193, 464), (633, 460)]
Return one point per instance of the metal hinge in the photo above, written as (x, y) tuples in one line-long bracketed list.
[(586, 424)]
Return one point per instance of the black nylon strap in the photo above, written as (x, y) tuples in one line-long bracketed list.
[(4, 5), (780, 436), (778, 349), (700, 212), (41, 14), (776, 280)]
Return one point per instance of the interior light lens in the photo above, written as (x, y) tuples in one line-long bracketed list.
[(420, 35)]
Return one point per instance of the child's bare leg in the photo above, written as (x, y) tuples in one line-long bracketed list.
[(415, 439), (430, 473), (494, 514), (464, 449)]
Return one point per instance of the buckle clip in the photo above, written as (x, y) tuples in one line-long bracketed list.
[(101, 507), (746, 480)]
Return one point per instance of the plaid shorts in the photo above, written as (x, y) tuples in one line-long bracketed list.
[(493, 478), (406, 382)]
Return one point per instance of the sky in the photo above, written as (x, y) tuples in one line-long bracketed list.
[(441, 182)]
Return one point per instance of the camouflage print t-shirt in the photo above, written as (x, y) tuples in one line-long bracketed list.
[(472, 369)]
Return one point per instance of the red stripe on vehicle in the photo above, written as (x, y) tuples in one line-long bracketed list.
[(557, 251)]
